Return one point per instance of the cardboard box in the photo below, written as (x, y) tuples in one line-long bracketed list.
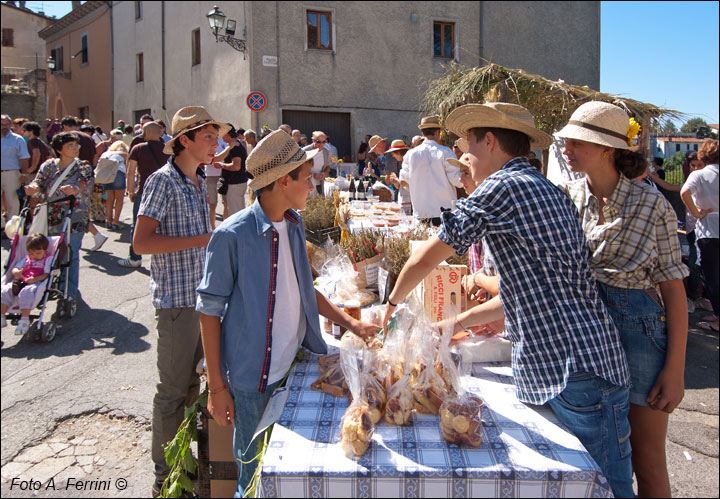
[(442, 289), (217, 471)]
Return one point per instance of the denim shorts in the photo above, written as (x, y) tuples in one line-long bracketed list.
[(116, 185), (641, 322)]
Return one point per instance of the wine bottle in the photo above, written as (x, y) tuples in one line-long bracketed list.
[(353, 191), (361, 190)]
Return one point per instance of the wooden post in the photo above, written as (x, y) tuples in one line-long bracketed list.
[(644, 138)]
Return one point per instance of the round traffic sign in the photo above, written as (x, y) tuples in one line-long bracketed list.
[(256, 101)]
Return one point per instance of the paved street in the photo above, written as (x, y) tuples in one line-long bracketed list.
[(89, 392)]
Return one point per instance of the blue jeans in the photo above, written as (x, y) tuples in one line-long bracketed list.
[(136, 207), (249, 408), (74, 270), (597, 413)]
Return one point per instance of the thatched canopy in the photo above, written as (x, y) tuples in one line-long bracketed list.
[(550, 102)]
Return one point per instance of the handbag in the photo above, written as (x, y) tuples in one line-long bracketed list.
[(106, 170), (40, 216)]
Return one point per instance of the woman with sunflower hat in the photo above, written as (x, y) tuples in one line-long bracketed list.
[(631, 231)]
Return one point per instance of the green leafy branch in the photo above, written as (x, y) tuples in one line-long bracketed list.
[(178, 454)]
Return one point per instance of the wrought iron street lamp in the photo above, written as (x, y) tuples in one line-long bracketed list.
[(216, 18), (51, 64)]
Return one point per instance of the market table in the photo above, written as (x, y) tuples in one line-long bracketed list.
[(525, 452)]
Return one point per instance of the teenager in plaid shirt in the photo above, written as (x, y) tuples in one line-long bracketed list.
[(566, 350), (173, 225)]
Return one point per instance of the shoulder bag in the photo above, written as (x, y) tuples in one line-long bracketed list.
[(40, 216)]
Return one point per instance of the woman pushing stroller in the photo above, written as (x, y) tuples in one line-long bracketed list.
[(74, 177)]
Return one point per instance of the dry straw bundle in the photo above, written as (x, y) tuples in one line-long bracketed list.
[(550, 102)]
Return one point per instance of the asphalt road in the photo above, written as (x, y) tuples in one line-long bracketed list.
[(103, 360)]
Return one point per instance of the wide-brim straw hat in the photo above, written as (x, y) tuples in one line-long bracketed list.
[(600, 123), (191, 118), (274, 156), (398, 145), (459, 162), (463, 144), (429, 122), (497, 115), (374, 141)]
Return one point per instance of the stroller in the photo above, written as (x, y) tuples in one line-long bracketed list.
[(43, 326)]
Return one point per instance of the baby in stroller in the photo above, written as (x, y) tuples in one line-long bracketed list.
[(27, 281)]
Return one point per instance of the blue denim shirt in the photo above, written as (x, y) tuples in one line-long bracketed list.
[(238, 286)]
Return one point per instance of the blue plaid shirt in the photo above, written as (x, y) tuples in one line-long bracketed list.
[(182, 210), (553, 314)]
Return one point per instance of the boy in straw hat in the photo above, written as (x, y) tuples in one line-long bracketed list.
[(431, 178), (173, 226), (566, 350), (256, 298)]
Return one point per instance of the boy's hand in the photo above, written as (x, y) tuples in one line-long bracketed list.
[(221, 407), (365, 330), (17, 273)]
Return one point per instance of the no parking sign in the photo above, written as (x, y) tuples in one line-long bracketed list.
[(256, 101)]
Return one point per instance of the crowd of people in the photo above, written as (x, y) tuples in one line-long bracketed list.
[(586, 279)]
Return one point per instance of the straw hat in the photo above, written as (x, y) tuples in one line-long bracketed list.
[(374, 141), (497, 115), (600, 123), (397, 145), (429, 122), (274, 156), (191, 118), (462, 144), (463, 161)]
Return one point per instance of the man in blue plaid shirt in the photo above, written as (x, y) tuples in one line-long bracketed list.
[(173, 225), (566, 350)]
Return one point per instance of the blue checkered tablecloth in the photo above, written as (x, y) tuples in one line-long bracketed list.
[(525, 451)]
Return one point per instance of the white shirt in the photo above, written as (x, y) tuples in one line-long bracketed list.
[(318, 164), (114, 155), (210, 170), (703, 184), (289, 323), (432, 179)]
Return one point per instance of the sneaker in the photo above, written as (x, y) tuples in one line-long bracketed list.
[(22, 327), (100, 239), (691, 306), (127, 262)]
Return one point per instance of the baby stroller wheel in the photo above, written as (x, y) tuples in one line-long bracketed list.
[(47, 333), (60, 310), (70, 308), (32, 333)]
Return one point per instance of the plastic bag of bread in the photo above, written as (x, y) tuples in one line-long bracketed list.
[(331, 379), (372, 390), (461, 420), (356, 427), (461, 413), (428, 387), (444, 364), (395, 347)]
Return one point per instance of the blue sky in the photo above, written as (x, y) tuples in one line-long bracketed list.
[(665, 53)]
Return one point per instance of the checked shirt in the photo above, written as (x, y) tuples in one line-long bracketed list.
[(182, 210), (553, 313), (637, 247)]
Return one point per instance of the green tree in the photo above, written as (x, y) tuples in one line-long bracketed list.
[(673, 168), (669, 128), (692, 125), (705, 132)]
